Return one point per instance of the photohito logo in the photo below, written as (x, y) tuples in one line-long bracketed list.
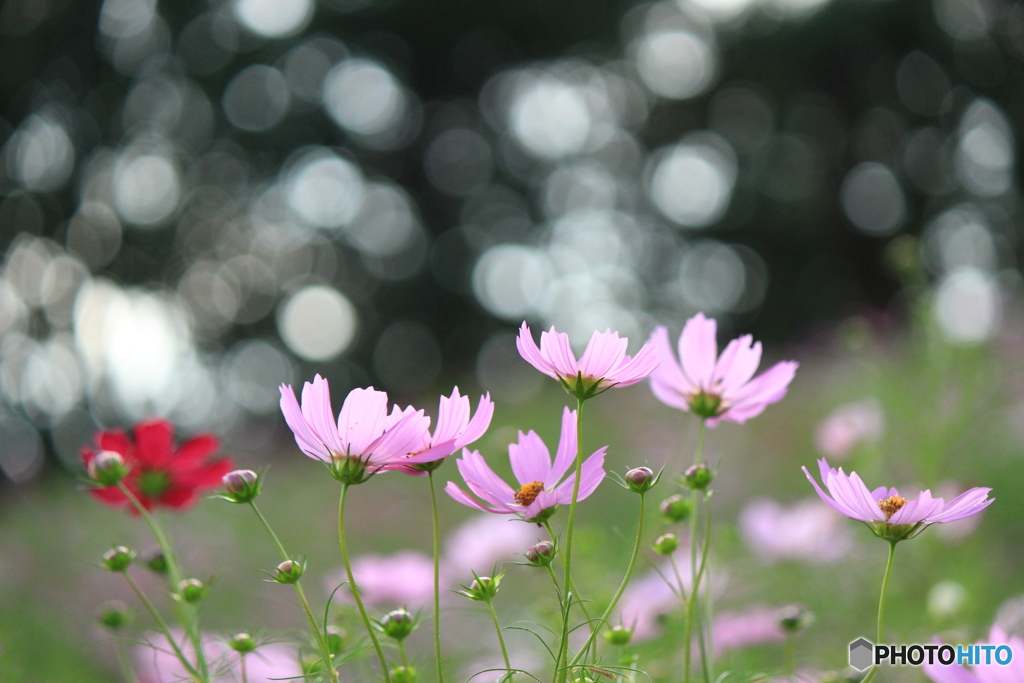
[(864, 654)]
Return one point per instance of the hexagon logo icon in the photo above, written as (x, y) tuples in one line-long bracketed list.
[(861, 654)]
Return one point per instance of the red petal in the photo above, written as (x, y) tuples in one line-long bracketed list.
[(197, 449), (154, 443), (109, 495), (206, 477), (115, 440), (178, 498)]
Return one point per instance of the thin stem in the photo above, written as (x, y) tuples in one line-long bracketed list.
[(186, 613), (622, 586), (563, 648), (706, 644), (127, 670), (501, 638), (162, 625), (572, 582), (688, 623), (241, 665), (401, 653), (355, 589), (679, 578), (437, 581), (789, 655), (321, 640), (881, 604)]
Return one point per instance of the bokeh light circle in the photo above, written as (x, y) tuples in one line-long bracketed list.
[(317, 323)]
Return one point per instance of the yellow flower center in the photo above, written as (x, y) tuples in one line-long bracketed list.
[(891, 505), (529, 492)]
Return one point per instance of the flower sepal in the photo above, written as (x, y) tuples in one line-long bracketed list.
[(349, 469), (697, 477), (705, 404), (676, 508), (638, 479), (289, 571), (397, 624), (894, 533), (483, 588)]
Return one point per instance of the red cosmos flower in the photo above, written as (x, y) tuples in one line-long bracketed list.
[(158, 475)]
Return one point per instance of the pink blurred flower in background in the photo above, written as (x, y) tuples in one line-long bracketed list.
[(1013, 672), (604, 363), (482, 542), (269, 662), (806, 530), (891, 516), (737, 630), (647, 600), (849, 425), (453, 430), (540, 492), (404, 579), (715, 387)]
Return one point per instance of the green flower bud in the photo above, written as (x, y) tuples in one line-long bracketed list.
[(795, 618), (107, 468), (698, 477), (115, 615), (242, 643), (335, 639), (403, 674), (677, 508), (666, 544), (192, 590), (541, 554), (641, 479), (483, 588), (290, 571), (118, 558), (155, 561), (618, 635), (398, 624), (241, 486)]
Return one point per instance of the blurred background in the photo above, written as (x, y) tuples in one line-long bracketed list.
[(202, 200)]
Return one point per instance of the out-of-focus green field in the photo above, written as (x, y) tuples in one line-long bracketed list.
[(951, 415)]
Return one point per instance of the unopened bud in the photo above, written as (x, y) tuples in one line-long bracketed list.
[(192, 590), (398, 624), (118, 558), (241, 486), (156, 561), (242, 643), (677, 508), (290, 571), (107, 468), (541, 554), (403, 674), (698, 477), (795, 618), (483, 588), (618, 635), (335, 640), (641, 479), (114, 614), (666, 544)]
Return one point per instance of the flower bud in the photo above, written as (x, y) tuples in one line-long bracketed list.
[(398, 624), (155, 561), (698, 477), (335, 640), (403, 674), (641, 479), (794, 618), (241, 486), (618, 635), (541, 554), (118, 558), (483, 588), (290, 571), (114, 614), (107, 468), (242, 643), (666, 544), (677, 508), (192, 590)]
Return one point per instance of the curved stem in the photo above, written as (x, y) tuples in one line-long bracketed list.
[(127, 670), (572, 582), (162, 625), (622, 586), (321, 639), (563, 648), (437, 581), (355, 589), (501, 639), (881, 604), (186, 613)]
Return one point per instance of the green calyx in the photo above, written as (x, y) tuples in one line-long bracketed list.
[(584, 387), (896, 532), (349, 469), (705, 405), (153, 483)]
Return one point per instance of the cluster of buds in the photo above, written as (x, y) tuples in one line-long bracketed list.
[(483, 588), (241, 486)]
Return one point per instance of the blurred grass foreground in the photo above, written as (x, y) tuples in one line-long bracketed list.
[(200, 201)]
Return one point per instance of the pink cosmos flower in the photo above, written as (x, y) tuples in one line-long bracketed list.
[(483, 542), (404, 579), (454, 430), (269, 662), (540, 492), (716, 387), (648, 599), (604, 363), (738, 630), (365, 437), (806, 531), (849, 425), (983, 673), (891, 516)]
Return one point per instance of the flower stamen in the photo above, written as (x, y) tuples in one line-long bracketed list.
[(529, 492), (891, 505)]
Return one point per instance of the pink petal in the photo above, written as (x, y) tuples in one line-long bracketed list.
[(461, 496), (531, 354), (966, 504), (917, 510), (698, 350), (452, 417), (555, 347), (530, 458), (405, 437), (737, 364), (362, 419), (565, 457), (668, 372), (543, 501), (479, 424), (605, 351), (669, 394), (482, 480), (635, 369), (768, 387), (838, 507), (307, 441), (591, 476), (316, 408)]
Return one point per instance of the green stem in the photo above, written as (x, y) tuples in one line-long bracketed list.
[(572, 582), (127, 670), (688, 623), (706, 644), (186, 613), (789, 656), (501, 639), (321, 639), (355, 588), (437, 581), (401, 654), (162, 625), (241, 665), (679, 579), (563, 648), (881, 604), (622, 587)]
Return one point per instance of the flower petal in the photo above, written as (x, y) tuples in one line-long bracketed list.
[(635, 369), (531, 354), (918, 509), (768, 387), (838, 507), (565, 457), (362, 419), (530, 458), (591, 475), (698, 350), (479, 424), (461, 496), (555, 347), (605, 352), (737, 364), (305, 438), (452, 417), (668, 372), (966, 504), (482, 480), (407, 436), (154, 443)]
